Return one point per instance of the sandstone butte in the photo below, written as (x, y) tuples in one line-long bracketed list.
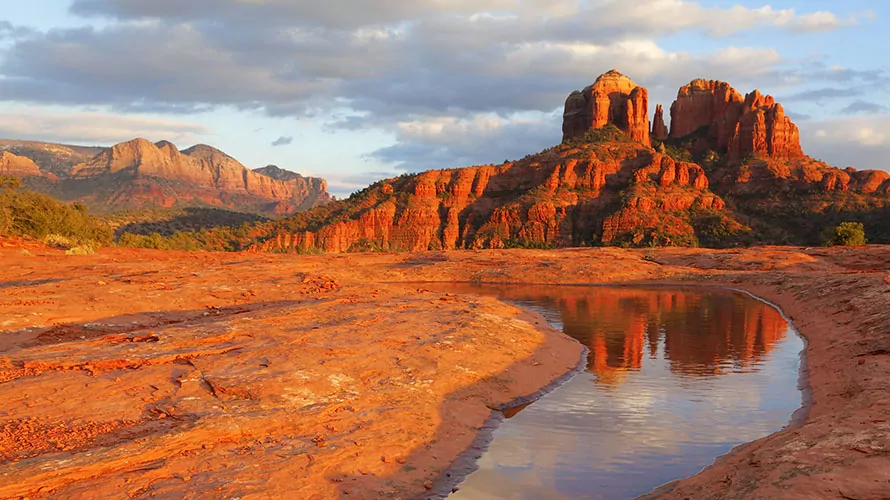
[(613, 189), (147, 374), (612, 99), (140, 174)]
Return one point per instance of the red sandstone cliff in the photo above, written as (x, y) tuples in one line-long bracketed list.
[(659, 129), (562, 197), (733, 125), (612, 99)]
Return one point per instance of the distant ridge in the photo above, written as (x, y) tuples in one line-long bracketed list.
[(139, 174)]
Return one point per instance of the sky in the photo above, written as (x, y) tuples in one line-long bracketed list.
[(359, 90)]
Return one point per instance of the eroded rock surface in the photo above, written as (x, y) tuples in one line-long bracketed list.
[(613, 99), (741, 127), (17, 166)]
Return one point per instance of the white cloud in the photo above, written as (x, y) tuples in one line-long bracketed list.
[(858, 141), (818, 22), (93, 128)]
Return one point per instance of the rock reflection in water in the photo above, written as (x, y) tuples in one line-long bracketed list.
[(676, 378)]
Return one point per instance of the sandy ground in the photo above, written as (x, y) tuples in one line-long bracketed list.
[(136, 374)]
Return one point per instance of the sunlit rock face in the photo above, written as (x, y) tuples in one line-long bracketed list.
[(613, 99), (729, 123), (17, 166)]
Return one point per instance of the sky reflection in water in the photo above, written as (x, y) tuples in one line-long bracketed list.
[(675, 379)]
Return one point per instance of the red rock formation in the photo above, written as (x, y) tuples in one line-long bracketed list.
[(613, 99), (557, 198), (199, 174), (17, 166), (659, 129), (755, 125), (765, 130), (706, 103)]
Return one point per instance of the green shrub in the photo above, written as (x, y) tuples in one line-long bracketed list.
[(59, 241), (846, 234), (84, 249), (26, 213)]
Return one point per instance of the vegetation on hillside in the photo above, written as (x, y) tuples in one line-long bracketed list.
[(68, 226)]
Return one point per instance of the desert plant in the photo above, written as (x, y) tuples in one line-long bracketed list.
[(83, 249), (846, 234)]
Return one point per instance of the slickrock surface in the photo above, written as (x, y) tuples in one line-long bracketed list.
[(131, 374)]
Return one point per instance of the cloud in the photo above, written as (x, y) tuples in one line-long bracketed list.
[(490, 72), (93, 128), (860, 106), (283, 141), (819, 95), (435, 142), (820, 22), (301, 58), (860, 141)]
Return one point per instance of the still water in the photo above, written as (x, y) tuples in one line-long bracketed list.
[(674, 379)]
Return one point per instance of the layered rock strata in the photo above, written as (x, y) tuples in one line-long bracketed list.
[(612, 99)]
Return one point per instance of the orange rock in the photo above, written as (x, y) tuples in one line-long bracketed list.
[(755, 125), (17, 166), (612, 99), (659, 129), (199, 173)]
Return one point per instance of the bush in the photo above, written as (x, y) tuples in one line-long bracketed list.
[(84, 249), (59, 241), (26, 213), (846, 234)]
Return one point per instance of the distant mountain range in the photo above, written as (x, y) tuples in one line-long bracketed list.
[(138, 175)]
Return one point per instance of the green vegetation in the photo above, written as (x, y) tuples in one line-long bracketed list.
[(609, 133), (217, 239), (715, 230), (366, 245), (674, 151), (846, 234), (66, 226), (527, 244)]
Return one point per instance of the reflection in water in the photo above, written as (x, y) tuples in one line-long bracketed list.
[(676, 378)]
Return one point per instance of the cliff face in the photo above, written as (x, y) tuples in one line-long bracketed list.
[(613, 99), (139, 174), (17, 166), (733, 125), (312, 190)]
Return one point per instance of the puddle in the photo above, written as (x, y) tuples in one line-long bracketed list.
[(675, 378)]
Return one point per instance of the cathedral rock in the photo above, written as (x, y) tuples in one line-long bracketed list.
[(613, 99)]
